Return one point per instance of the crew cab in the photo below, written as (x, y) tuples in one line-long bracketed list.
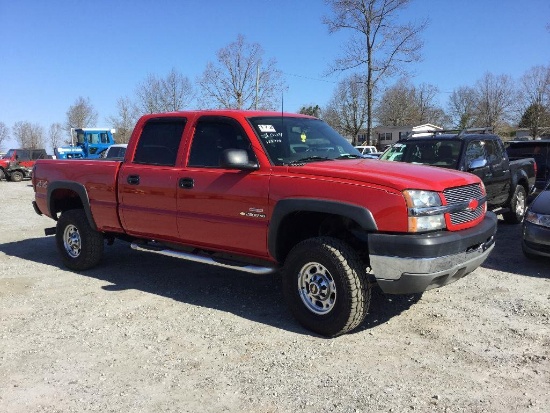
[(263, 192), (478, 151)]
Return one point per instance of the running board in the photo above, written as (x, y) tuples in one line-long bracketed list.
[(253, 269)]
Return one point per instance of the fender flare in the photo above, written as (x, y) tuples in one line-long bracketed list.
[(285, 207), (80, 190)]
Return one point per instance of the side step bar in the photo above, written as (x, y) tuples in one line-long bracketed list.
[(253, 269)]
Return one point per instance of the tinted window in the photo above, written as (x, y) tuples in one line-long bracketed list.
[(159, 142), (23, 155), (212, 137)]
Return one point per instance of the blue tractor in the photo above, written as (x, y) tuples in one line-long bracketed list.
[(87, 143)]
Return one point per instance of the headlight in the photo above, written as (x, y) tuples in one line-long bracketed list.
[(538, 219), (425, 210)]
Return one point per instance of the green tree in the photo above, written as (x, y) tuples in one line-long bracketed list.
[(311, 110), (536, 118)]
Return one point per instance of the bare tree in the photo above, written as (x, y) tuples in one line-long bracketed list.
[(534, 98), (29, 135), (176, 91), (462, 107), (55, 135), (172, 93), (81, 114), (4, 132), (240, 79), (495, 98), (406, 104), (379, 43), (396, 106), (347, 110), (125, 120), (148, 95)]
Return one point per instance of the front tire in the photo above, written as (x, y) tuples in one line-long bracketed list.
[(326, 287), (16, 176), (518, 205), (80, 246)]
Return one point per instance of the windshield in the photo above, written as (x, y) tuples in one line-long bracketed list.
[(297, 140), (445, 153), (8, 154)]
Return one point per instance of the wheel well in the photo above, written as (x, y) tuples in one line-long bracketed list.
[(298, 226), (64, 199)]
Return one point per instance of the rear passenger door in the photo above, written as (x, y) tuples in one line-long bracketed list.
[(499, 167), (222, 208), (148, 183)]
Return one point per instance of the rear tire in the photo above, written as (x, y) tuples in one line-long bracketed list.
[(80, 246), (325, 285), (518, 205), (2, 174)]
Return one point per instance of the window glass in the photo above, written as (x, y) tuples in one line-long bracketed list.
[(474, 151), (23, 155), (159, 142), (296, 140), (212, 137)]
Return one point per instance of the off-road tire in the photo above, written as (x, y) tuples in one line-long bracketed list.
[(2, 174), (80, 246), (16, 176), (331, 268), (518, 206)]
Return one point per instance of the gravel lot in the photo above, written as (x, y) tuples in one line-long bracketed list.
[(145, 333)]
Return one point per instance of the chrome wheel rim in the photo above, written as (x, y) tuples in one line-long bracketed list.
[(317, 288), (72, 241), (520, 204)]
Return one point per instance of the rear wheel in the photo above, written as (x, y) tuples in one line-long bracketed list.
[(80, 246), (325, 284), (2, 174), (518, 205), (16, 176)]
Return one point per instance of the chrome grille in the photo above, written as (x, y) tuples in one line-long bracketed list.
[(461, 194)]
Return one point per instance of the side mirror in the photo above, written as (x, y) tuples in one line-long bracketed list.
[(477, 163), (237, 159)]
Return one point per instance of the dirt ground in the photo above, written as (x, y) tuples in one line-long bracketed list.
[(145, 333)]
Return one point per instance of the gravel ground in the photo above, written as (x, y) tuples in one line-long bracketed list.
[(145, 333)]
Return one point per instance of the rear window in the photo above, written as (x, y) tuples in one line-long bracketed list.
[(159, 142)]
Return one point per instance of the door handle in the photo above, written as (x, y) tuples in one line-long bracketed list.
[(186, 183), (133, 179)]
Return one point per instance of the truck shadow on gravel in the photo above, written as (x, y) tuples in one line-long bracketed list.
[(253, 297), (507, 255)]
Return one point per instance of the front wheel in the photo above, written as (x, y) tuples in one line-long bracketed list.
[(518, 205), (16, 176), (326, 287), (80, 246)]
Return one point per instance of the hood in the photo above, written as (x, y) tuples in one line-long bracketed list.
[(541, 204), (397, 175)]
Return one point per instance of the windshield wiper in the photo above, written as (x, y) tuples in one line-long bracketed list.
[(309, 159), (349, 156)]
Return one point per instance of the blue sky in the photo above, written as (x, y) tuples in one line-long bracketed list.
[(52, 52)]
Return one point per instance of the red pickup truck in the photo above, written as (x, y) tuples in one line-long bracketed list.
[(265, 191)]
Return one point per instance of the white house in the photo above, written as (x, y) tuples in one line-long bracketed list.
[(388, 135)]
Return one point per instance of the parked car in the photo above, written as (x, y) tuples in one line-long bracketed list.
[(537, 149), (17, 164), (478, 151), (536, 227), (369, 151), (118, 150)]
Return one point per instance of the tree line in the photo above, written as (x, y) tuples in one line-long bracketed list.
[(377, 89)]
